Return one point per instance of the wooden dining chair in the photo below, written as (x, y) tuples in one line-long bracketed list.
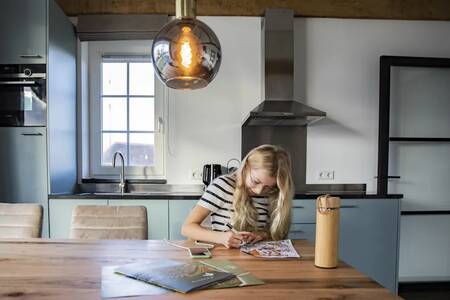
[(96, 222), (20, 220)]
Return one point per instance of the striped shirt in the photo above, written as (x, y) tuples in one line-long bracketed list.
[(218, 198)]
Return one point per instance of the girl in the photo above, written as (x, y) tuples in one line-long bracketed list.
[(248, 206)]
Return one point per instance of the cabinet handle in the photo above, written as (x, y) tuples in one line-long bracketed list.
[(296, 231), (32, 134), (30, 56), (17, 82), (298, 207), (349, 206)]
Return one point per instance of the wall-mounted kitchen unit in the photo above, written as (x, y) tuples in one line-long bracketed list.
[(37, 102)]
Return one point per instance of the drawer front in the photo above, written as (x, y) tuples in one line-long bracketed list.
[(303, 211), (302, 232)]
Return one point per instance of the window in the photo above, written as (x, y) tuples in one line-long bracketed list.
[(126, 110)]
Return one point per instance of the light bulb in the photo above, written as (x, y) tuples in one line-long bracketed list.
[(186, 53), (186, 48)]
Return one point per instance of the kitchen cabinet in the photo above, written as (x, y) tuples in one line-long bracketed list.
[(303, 220), (23, 31), (303, 232), (369, 238), (60, 214), (157, 215), (369, 228), (23, 167), (368, 235), (38, 32), (178, 211)]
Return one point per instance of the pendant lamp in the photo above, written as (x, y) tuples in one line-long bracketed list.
[(186, 53)]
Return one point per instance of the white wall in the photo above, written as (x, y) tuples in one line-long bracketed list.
[(205, 125), (341, 67), (336, 70)]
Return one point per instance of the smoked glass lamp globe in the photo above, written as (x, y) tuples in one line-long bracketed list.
[(186, 54)]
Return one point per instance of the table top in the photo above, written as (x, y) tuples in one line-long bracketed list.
[(71, 269)]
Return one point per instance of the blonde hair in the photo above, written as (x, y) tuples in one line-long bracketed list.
[(276, 161)]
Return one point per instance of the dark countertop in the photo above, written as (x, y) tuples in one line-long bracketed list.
[(193, 196)]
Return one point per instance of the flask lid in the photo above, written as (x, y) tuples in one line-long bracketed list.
[(327, 203)]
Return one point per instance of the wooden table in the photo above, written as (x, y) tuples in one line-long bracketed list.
[(71, 269)]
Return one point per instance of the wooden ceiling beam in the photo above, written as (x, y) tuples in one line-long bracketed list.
[(358, 9)]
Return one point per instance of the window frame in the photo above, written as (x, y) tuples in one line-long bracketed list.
[(97, 52)]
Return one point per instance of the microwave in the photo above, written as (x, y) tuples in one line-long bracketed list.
[(23, 98)]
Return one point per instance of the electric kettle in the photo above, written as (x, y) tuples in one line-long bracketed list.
[(210, 172)]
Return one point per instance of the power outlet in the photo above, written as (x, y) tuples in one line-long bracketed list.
[(326, 175), (195, 175)]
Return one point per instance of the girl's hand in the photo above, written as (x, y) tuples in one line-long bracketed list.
[(232, 239), (254, 237)]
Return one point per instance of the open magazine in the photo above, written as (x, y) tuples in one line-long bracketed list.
[(114, 284), (271, 249)]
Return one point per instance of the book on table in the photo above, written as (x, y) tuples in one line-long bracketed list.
[(183, 277)]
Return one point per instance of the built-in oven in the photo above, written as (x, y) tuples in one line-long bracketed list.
[(23, 99)]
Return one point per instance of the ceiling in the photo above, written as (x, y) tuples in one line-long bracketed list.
[(364, 9)]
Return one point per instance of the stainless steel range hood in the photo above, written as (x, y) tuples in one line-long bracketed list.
[(279, 107)]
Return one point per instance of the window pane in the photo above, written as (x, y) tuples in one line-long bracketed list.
[(114, 113), (114, 79), (142, 79), (142, 114), (111, 143), (142, 149)]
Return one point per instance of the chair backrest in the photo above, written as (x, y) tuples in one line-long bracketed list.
[(96, 222), (20, 220)]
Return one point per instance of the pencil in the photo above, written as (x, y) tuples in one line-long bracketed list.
[(235, 232)]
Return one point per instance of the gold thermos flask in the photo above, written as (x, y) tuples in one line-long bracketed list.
[(327, 231)]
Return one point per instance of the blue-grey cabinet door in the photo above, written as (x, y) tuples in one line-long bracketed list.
[(23, 167), (300, 231), (23, 31), (369, 238), (178, 211)]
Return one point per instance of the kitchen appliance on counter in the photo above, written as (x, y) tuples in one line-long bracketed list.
[(210, 172)]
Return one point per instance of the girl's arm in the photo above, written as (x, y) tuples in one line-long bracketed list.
[(193, 230)]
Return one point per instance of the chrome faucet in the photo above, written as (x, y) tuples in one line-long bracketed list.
[(122, 171)]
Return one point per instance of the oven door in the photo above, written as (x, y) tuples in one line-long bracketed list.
[(23, 102)]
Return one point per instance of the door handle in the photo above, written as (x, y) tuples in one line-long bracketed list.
[(390, 177), (32, 134)]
